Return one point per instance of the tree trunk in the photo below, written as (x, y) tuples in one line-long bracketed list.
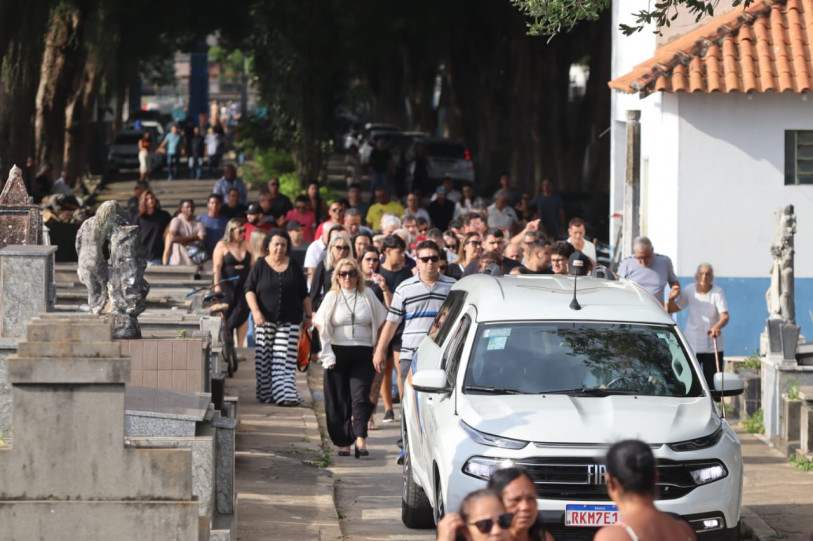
[(62, 54), (99, 41), (21, 52)]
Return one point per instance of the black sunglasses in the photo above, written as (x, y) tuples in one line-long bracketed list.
[(474, 242), (342, 248), (348, 274), (485, 525), (432, 258)]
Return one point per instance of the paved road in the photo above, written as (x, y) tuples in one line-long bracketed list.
[(368, 490)]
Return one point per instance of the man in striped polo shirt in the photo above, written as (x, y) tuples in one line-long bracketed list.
[(416, 301)]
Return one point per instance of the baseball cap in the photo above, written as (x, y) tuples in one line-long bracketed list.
[(293, 225), (441, 190), (578, 264), (254, 208)]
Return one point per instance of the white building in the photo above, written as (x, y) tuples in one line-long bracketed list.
[(726, 138)]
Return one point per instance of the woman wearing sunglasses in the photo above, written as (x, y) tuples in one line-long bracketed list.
[(231, 258), (348, 322), (471, 248), (518, 493), (339, 247), (482, 517)]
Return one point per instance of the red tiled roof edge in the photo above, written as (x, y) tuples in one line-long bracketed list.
[(764, 47)]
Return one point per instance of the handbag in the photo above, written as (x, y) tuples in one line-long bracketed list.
[(303, 350), (197, 252)]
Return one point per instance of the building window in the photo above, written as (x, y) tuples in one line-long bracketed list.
[(798, 157)]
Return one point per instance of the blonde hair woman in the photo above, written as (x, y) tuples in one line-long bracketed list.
[(255, 244), (232, 258), (348, 322)]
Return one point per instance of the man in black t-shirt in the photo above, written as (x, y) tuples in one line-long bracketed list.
[(441, 210), (298, 246), (380, 160), (539, 253), (394, 272)]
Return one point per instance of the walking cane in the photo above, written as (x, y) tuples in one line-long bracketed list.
[(722, 387)]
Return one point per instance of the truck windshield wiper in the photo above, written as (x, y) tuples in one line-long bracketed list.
[(490, 390), (590, 391)]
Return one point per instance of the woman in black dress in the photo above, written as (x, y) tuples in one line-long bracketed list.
[(153, 222), (231, 258), (277, 294)]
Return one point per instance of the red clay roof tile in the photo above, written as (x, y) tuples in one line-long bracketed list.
[(765, 47)]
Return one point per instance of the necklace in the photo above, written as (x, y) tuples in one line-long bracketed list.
[(352, 311)]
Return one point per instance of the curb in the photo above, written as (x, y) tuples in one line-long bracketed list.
[(758, 529), (327, 523)]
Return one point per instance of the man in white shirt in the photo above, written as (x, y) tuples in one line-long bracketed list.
[(576, 231), (316, 250), (500, 214), (708, 314)]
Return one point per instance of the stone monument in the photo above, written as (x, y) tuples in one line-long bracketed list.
[(20, 221), (780, 343), (781, 334), (69, 473), (116, 285)]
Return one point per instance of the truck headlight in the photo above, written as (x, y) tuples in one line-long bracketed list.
[(703, 474), (492, 441), (482, 467)]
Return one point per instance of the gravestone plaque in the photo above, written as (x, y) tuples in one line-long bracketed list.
[(20, 221)]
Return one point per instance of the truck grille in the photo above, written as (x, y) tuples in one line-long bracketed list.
[(582, 479)]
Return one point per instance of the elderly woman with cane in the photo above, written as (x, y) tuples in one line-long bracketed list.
[(708, 314), (348, 322)]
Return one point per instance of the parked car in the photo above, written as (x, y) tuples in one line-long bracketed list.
[(512, 374), (153, 126), (123, 151), (444, 157)]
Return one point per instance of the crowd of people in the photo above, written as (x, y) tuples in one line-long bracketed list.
[(346, 260), (370, 278)]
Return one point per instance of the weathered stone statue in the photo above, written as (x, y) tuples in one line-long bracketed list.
[(780, 295), (781, 336), (116, 286)]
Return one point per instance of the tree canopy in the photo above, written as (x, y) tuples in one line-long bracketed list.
[(469, 67), (552, 17)]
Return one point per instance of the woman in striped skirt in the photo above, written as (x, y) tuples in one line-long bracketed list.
[(277, 294)]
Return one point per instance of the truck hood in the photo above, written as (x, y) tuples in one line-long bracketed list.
[(601, 420)]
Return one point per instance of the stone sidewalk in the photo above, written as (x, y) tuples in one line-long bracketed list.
[(777, 497), (283, 490)]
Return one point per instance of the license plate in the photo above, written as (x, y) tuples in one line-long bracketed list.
[(591, 515)]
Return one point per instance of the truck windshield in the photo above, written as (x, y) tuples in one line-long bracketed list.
[(582, 359)]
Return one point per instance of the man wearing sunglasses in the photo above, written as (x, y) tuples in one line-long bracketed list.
[(336, 212), (416, 302)]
